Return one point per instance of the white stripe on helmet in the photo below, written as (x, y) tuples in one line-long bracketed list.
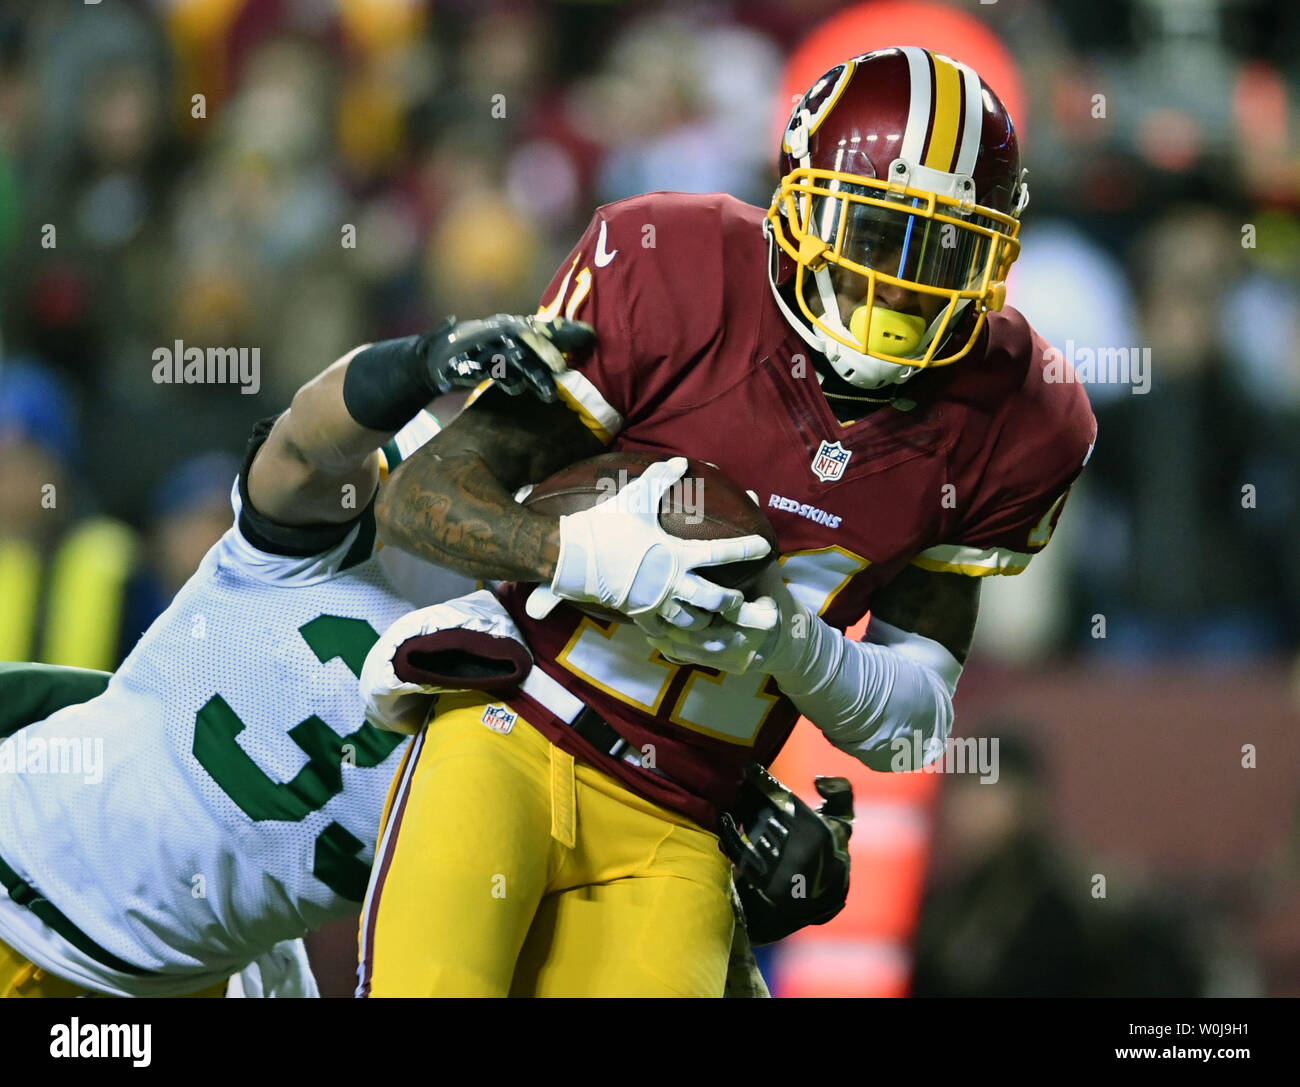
[(919, 104), (973, 124)]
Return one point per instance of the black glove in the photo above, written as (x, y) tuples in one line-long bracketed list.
[(521, 354), (791, 863)]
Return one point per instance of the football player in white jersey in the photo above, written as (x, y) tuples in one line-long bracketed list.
[(222, 796)]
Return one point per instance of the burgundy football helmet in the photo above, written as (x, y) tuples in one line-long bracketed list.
[(899, 205)]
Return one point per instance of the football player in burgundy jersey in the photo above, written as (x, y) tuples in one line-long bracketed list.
[(844, 354)]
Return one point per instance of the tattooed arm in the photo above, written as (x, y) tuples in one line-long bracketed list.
[(453, 501)]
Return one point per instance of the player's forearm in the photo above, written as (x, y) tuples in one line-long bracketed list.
[(318, 464), (319, 430), (876, 699), (891, 694), (882, 700), (453, 501), (451, 509)]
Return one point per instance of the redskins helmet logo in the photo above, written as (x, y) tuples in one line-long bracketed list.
[(813, 107)]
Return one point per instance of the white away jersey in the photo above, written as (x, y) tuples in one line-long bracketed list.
[(230, 788)]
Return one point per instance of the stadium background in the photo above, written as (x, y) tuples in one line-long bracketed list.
[(358, 169)]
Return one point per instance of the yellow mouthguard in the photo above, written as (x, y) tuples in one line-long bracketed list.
[(891, 332)]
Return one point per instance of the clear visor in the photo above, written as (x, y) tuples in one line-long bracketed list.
[(888, 236)]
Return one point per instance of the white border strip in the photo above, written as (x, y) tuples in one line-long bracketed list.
[(919, 106), (542, 688), (973, 127), (589, 398), (995, 560)]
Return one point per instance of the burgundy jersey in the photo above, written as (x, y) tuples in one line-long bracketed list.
[(695, 358)]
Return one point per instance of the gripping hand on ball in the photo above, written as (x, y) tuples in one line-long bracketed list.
[(617, 555), (771, 634)]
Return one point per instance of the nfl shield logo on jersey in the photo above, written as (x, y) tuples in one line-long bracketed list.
[(499, 718), (829, 461)]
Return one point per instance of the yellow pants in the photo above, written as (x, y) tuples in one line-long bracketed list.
[(507, 868), (20, 977)]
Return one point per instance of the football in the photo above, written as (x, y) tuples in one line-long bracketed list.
[(703, 505)]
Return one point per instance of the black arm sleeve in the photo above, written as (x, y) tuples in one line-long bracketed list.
[(277, 539)]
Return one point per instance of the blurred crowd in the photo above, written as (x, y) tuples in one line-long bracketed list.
[(303, 176), (300, 176)]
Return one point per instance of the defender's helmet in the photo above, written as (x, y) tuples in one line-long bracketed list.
[(899, 169)]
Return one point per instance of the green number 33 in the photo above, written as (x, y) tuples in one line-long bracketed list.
[(262, 798)]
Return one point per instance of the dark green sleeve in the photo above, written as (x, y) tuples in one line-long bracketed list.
[(31, 692)]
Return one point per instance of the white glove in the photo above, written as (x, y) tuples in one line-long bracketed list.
[(774, 634), (873, 699), (397, 706), (617, 555)]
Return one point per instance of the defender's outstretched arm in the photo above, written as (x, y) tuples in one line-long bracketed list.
[(328, 439), (314, 451)]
